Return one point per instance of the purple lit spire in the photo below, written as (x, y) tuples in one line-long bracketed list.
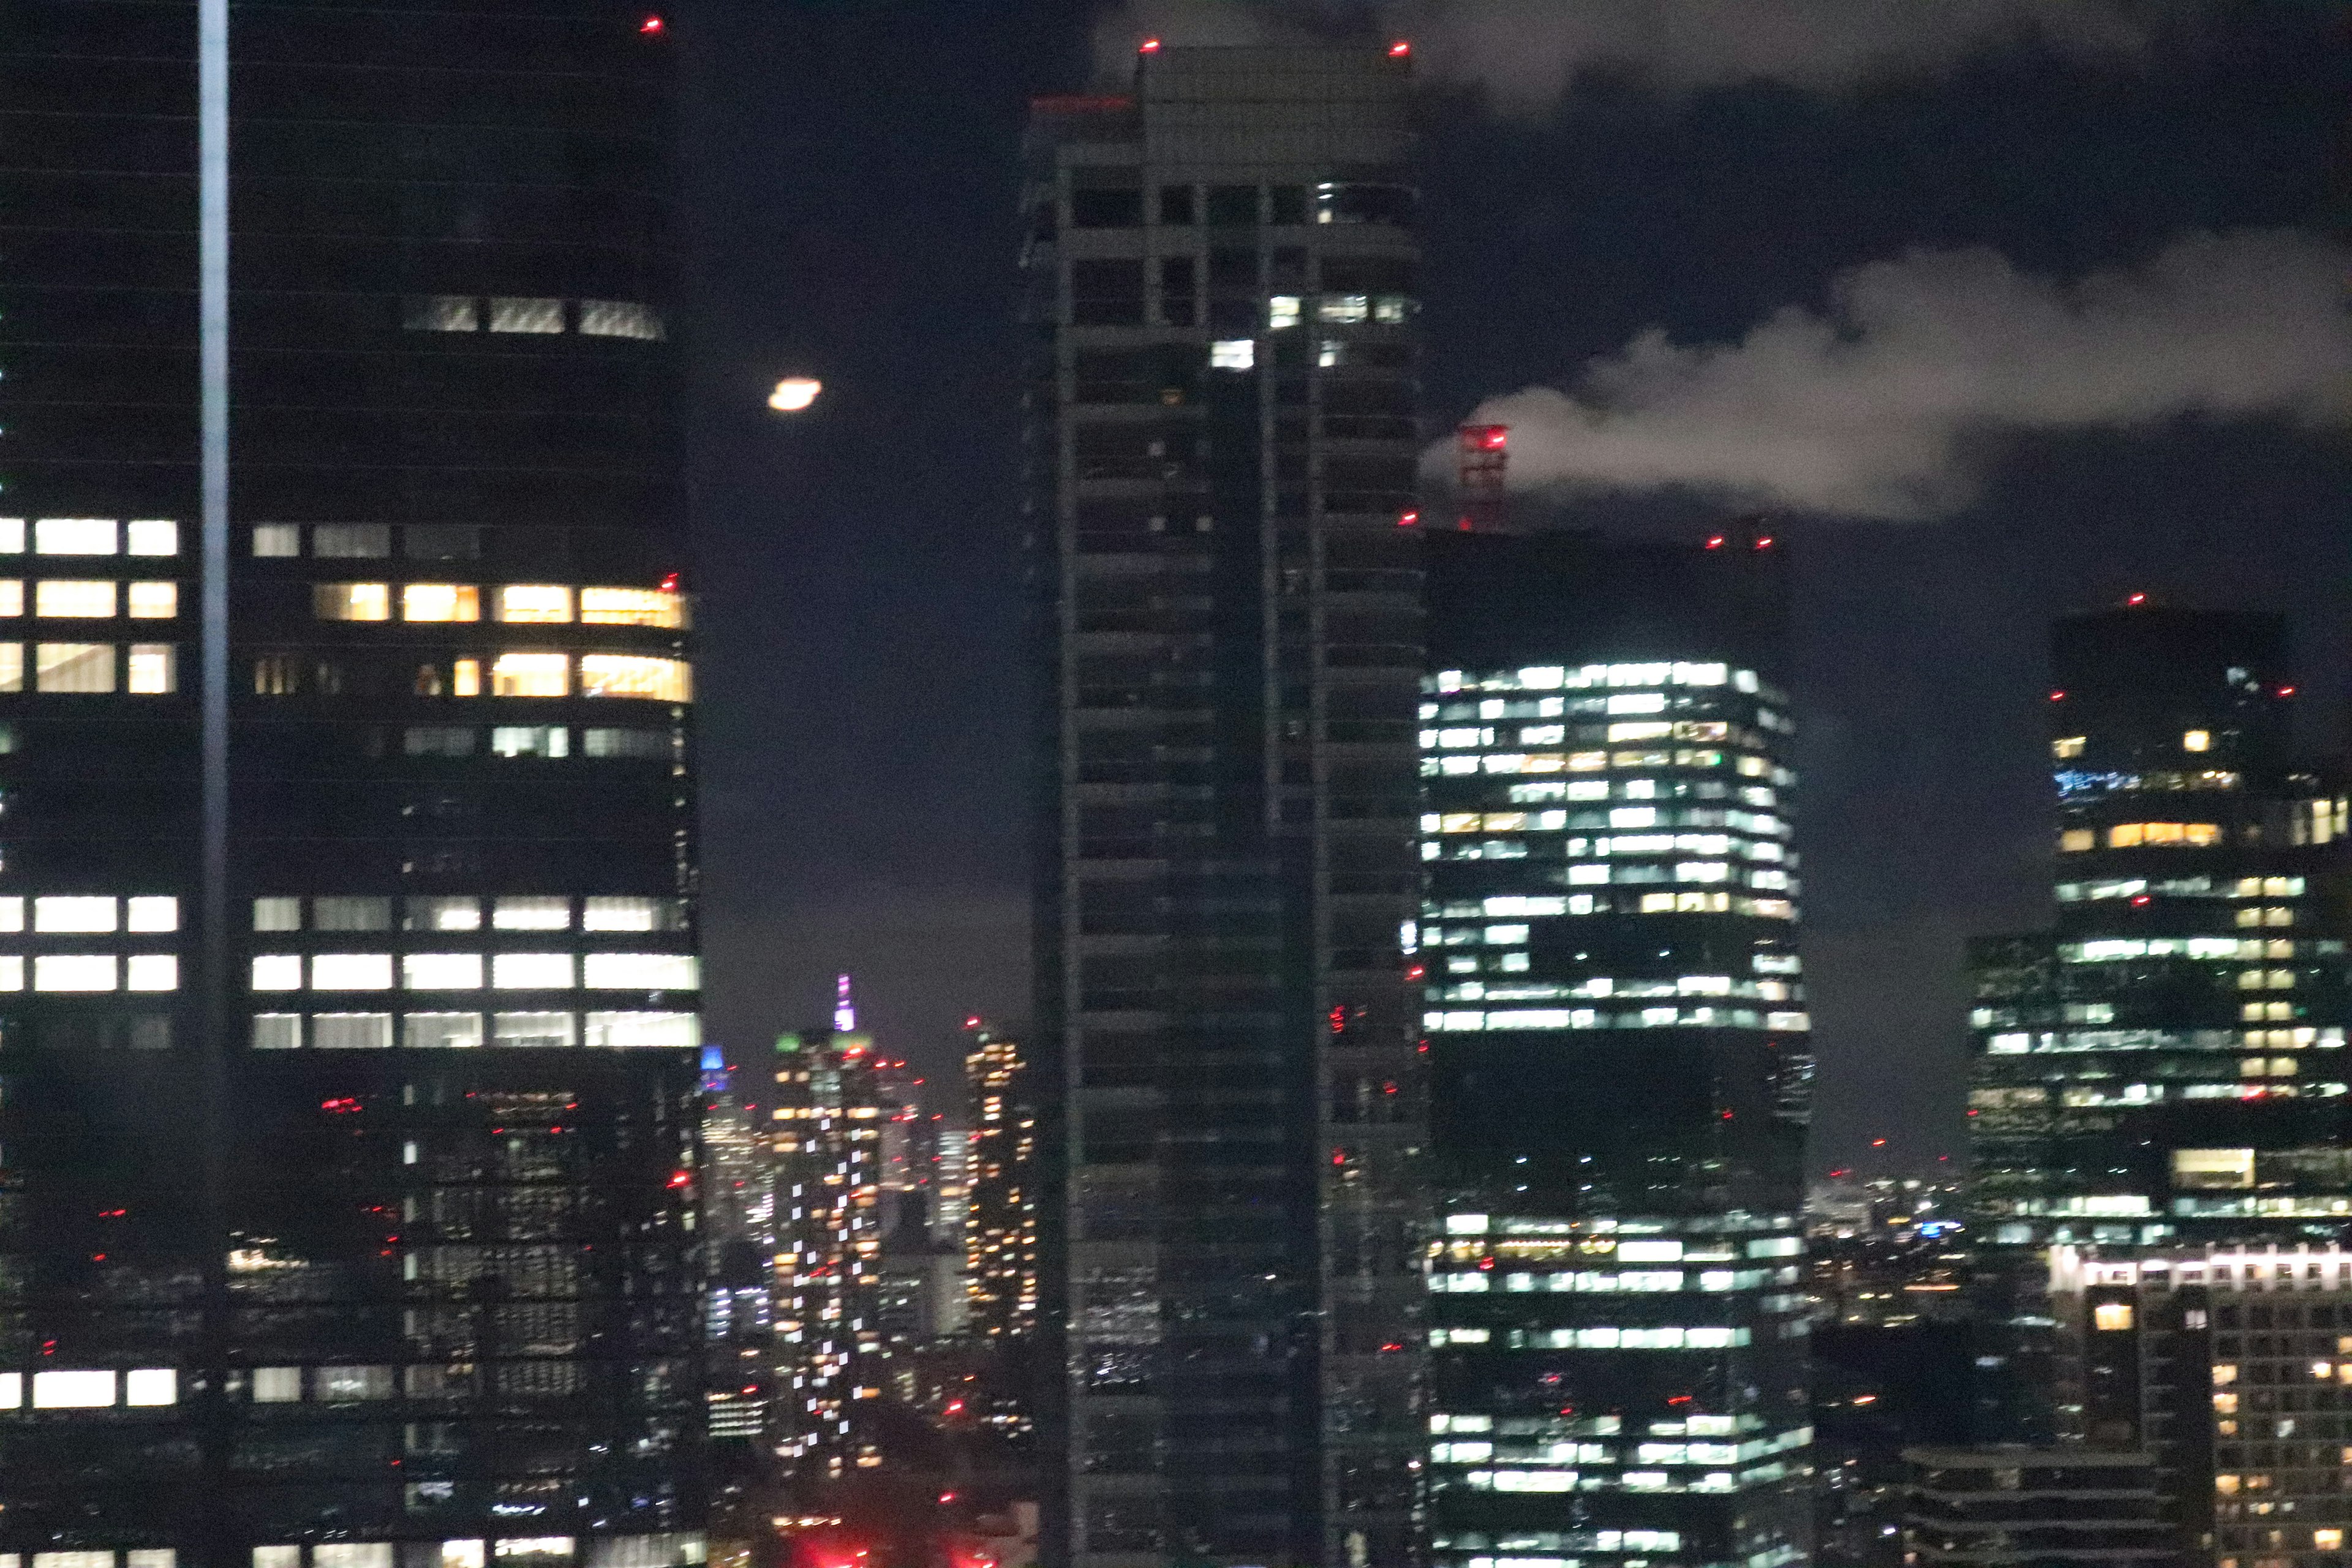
[(844, 1011)]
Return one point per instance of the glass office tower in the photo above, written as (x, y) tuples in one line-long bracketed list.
[(1221, 444), (1617, 1050), (347, 974), (2165, 1068)]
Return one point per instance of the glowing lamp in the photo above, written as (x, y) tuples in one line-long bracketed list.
[(794, 393), (1149, 47)]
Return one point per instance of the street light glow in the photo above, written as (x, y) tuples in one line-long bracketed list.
[(794, 393)]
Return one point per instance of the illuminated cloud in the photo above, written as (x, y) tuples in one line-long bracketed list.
[(1882, 405)]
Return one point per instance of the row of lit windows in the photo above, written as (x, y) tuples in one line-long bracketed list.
[(1582, 1281), (1603, 987), (91, 536), (91, 971), (643, 675), (1615, 816), (1678, 903), (465, 971), (530, 604), (58, 599), (1639, 789), (553, 742), (2111, 950), (1554, 677), (2068, 746), (1469, 737), (1471, 1021), (510, 912), (93, 669), (1752, 767), (2134, 834), (530, 316), (91, 912), (460, 1031), (2022, 1043), (93, 1390)]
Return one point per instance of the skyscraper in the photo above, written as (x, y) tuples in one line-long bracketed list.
[(1221, 445), (1618, 1057), (1001, 1188), (2165, 1068), (347, 1107)]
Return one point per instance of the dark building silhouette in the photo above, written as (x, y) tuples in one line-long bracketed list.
[(1221, 444), (2165, 1068), (1618, 1060), (348, 984)]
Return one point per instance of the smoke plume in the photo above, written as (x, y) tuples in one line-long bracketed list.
[(1878, 406)]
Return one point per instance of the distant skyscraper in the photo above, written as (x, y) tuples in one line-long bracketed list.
[(348, 983), (1001, 1190), (1618, 1054), (2165, 1069), (1221, 443), (828, 1119)]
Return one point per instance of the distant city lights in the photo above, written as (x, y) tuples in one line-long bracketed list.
[(794, 393)]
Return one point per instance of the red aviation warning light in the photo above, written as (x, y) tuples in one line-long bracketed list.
[(1482, 456), (1400, 49), (651, 26), (1149, 47)]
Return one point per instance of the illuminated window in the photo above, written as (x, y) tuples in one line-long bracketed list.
[(273, 541), (75, 536), (442, 1031), (426, 972), (530, 675), (643, 972), (74, 600), (152, 972), (2068, 746), (351, 601), (532, 972), (153, 601), (440, 602), (544, 604), (524, 315), (153, 913), (635, 675), (2197, 740), (12, 536), (465, 677), (278, 971), (12, 667), (530, 740), (538, 1031), (661, 1029), (1282, 312), (2075, 839), (630, 914), (1343, 310), (75, 972), (352, 915), (12, 597), (441, 314), (150, 536), (2195, 835), (350, 1031), (2112, 1316), (531, 915), (1232, 353), (153, 670), (632, 607), (350, 971), (72, 1390), (637, 743), (619, 318), (442, 914), (74, 914)]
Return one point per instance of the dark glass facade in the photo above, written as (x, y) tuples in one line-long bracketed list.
[(2164, 1068), (348, 1112), (1221, 445), (1614, 1016)]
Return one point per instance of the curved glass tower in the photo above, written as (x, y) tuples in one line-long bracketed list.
[(347, 972), (1616, 1040)]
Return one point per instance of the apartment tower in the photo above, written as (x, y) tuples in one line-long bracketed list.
[(1220, 448)]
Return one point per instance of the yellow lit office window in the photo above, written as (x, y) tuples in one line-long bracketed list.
[(543, 604), (2112, 1316), (12, 597), (632, 607), (532, 675), (351, 601), (83, 667), (2197, 740), (67, 599), (12, 667), (440, 602), (2195, 835), (2068, 746), (636, 674), (153, 668), (153, 601), (2077, 838), (465, 679)]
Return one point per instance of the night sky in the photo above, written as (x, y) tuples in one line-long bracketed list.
[(852, 175)]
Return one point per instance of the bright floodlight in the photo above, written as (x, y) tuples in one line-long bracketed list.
[(794, 393)]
